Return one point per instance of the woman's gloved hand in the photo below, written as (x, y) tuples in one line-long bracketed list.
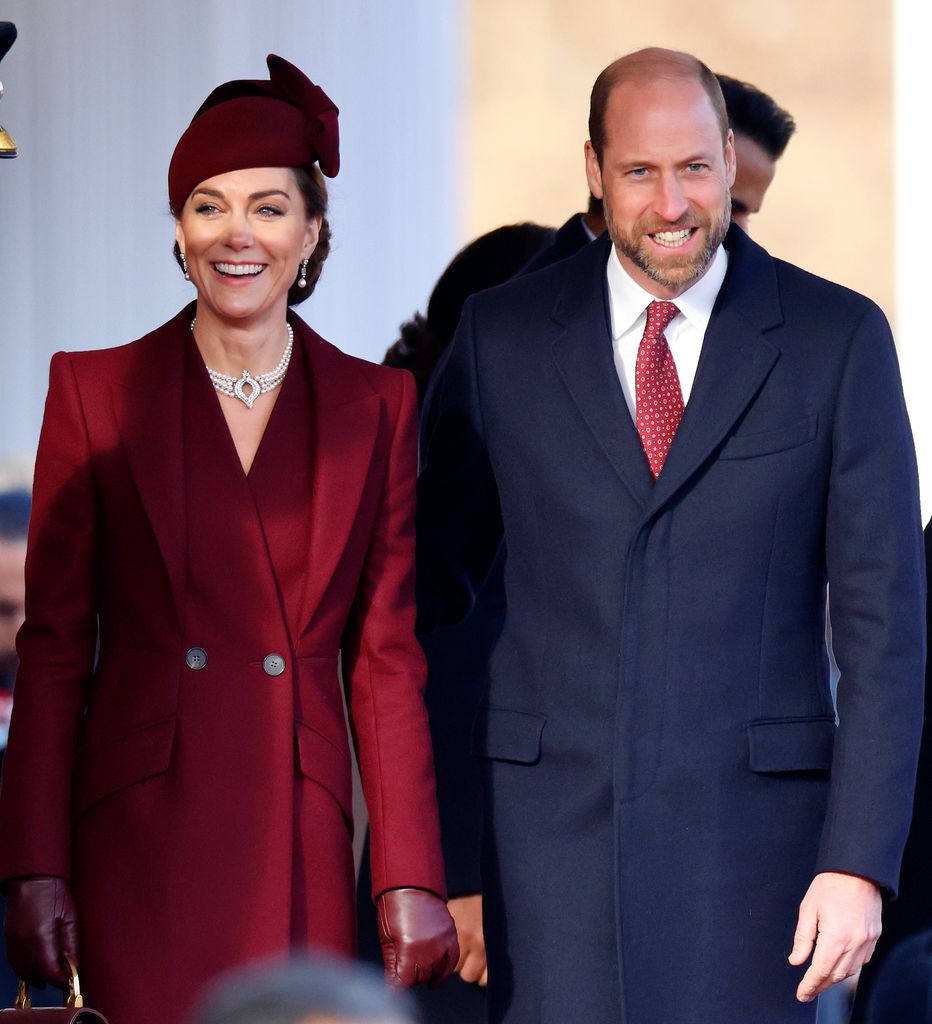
[(40, 926), (417, 936)]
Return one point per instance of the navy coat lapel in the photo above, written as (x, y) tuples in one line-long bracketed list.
[(148, 410), (583, 354), (735, 361)]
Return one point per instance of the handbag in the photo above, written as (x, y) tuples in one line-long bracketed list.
[(72, 1010)]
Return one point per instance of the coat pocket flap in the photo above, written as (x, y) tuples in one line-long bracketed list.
[(324, 763), (747, 446), (791, 744), (124, 762), (504, 734)]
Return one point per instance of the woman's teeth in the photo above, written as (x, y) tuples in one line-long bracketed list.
[(239, 269), (671, 239)]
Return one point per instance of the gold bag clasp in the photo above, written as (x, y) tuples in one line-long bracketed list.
[(72, 999)]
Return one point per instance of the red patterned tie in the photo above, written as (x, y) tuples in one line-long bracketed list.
[(658, 398)]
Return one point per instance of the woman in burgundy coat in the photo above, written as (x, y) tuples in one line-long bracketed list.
[(223, 510)]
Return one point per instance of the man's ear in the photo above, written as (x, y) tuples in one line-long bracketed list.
[(731, 162), (593, 170)]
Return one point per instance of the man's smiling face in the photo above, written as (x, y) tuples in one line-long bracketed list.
[(664, 177)]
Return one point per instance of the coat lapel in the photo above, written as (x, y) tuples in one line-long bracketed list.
[(735, 361), (148, 409), (347, 414), (584, 358)]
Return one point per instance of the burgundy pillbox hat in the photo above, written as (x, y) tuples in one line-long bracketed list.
[(285, 122)]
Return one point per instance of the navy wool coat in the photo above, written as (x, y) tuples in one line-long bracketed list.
[(662, 766)]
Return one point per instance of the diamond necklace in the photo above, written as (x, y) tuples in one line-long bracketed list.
[(235, 387)]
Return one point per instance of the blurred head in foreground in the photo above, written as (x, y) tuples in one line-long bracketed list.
[(304, 991)]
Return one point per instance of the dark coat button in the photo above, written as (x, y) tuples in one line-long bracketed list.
[(196, 658), (273, 664)]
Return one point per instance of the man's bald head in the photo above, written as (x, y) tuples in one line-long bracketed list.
[(647, 65)]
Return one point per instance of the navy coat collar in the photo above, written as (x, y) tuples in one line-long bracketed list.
[(735, 361)]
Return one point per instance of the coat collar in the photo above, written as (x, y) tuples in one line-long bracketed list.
[(735, 361), (148, 409)]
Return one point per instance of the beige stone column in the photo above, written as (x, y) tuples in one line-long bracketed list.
[(829, 63)]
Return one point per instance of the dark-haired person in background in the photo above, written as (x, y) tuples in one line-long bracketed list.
[(461, 652), (485, 262), (224, 509), (762, 130)]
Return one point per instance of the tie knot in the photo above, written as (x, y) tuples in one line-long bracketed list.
[(659, 315)]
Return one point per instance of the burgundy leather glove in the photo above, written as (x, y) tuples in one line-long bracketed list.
[(40, 926), (417, 936)]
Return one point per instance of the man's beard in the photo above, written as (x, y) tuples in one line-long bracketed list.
[(672, 272)]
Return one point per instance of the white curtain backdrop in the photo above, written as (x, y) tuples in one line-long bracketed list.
[(98, 92)]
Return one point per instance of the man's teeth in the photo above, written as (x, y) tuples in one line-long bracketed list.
[(672, 238), (239, 269)]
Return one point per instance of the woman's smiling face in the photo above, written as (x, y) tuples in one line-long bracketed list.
[(244, 235)]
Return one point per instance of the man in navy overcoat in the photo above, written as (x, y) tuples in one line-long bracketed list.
[(679, 829)]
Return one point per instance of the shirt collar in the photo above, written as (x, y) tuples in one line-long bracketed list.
[(628, 300)]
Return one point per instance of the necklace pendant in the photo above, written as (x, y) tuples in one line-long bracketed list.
[(247, 380)]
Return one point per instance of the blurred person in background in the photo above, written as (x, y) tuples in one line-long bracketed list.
[(14, 525), (223, 513), (762, 131), (304, 991), (487, 261)]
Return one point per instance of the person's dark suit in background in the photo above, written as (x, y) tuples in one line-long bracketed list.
[(461, 652), (579, 230), (667, 792), (911, 914), (15, 506)]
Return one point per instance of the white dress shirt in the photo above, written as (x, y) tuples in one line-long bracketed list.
[(628, 303)]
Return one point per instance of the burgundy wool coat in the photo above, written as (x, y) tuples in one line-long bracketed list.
[(179, 748)]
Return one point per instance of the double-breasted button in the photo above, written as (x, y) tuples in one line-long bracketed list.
[(196, 658), (273, 664)]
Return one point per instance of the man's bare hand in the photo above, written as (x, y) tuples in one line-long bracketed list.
[(840, 914), (467, 916)]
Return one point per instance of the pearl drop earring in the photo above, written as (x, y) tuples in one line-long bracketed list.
[(302, 280), (184, 267)]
